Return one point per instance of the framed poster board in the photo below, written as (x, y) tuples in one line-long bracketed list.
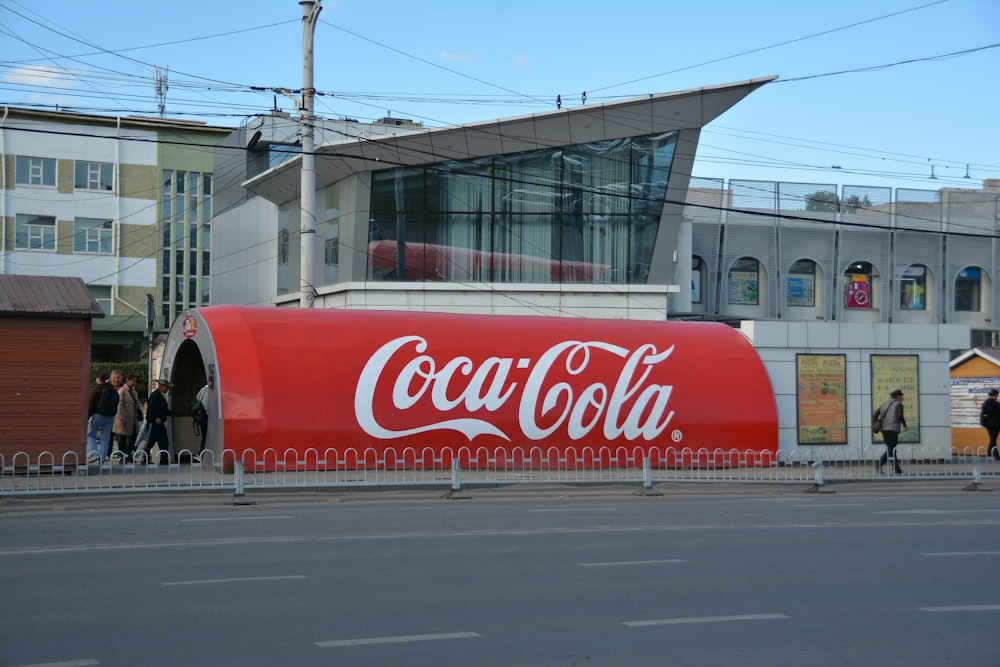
[(821, 398), (897, 371)]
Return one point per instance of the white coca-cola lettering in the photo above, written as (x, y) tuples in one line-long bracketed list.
[(596, 396), (631, 409)]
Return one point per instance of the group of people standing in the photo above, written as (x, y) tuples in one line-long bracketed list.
[(115, 415)]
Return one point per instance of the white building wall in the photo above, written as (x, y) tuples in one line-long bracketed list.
[(778, 342), (244, 254)]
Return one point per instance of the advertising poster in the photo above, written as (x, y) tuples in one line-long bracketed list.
[(897, 372), (822, 405)]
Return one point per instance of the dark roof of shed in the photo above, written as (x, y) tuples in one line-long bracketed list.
[(46, 296)]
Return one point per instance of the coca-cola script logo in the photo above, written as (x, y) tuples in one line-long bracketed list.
[(625, 407)]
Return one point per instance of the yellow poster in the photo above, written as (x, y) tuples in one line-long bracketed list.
[(822, 402), (891, 372)]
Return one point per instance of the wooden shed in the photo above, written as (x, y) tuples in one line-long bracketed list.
[(45, 338), (972, 375)]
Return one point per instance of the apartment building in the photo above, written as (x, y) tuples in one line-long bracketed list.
[(125, 203)]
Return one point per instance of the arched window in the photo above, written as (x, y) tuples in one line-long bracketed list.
[(743, 287), (968, 290), (800, 283), (913, 288), (858, 286), (697, 279)]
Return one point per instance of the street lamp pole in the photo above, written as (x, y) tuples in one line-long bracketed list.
[(307, 295)]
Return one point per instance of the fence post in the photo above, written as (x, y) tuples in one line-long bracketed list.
[(647, 474), (238, 498), (818, 486), (977, 475), (456, 475)]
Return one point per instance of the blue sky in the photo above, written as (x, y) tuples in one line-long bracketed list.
[(876, 92)]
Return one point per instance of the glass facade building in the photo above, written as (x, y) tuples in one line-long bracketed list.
[(583, 213)]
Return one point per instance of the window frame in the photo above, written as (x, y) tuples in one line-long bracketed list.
[(32, 229), (34, 171), (86, 178), (83, 236)]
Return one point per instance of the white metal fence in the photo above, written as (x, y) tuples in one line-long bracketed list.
[(43, 474)]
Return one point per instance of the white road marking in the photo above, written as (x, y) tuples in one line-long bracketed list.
[(967, 607), (576, 509), (237, 518), (66, 663), (195, 582), (401, 639), (963, 553), (970, 511), (705, 619), (632, 562)]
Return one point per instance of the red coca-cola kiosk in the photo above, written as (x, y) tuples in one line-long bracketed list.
[(400, 388)]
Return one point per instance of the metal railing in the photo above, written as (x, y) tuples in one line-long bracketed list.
[(313, 469)]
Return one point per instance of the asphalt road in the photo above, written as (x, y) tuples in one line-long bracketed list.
[(702, 575)]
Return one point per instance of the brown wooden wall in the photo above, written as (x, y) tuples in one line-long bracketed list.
[(44, 386), (964, 437)]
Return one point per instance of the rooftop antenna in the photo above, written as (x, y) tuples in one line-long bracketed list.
[(160, 84), (967, 171), (932, 173)]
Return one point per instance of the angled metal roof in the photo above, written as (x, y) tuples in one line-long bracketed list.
[(664, 112), (991, 354), (46, 296)]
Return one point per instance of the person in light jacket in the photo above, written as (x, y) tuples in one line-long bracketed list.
[(127, 418), (891, 414)]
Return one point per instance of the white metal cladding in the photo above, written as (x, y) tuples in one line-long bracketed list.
[(914, 248), (758, 242), (705, 243), (796, 197), (962, 253), (819, 245), (918, 209), (861, 245)]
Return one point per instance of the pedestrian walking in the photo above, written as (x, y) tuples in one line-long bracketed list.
[(989, 418), (891, 415)]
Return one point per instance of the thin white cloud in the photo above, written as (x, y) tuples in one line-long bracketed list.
[(520, 60), (462, 57), (42, 76)]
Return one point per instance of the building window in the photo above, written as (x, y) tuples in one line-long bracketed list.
[(858, 286), (102, 295), (743, 287), (35, 171), (800, 284), (185, 226), (697, 279), (968, 292), (913, 288), (92, 236), (94, 176), (34, 232)]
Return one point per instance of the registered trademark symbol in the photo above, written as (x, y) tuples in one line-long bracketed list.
[(676, 436)]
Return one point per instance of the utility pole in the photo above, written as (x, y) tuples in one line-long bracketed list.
[(307, 294)]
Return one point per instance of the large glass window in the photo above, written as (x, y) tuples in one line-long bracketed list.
[(92, 235), (800, 284), (968, 290), (587, 213), (93, 176), (913, 288), (34, 232), (743, 286), (185, 226), (35, 171)]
